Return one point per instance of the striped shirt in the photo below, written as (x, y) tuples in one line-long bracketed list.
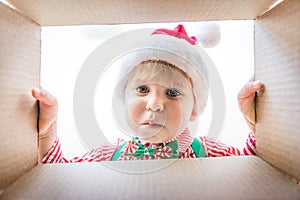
[(104, 153)]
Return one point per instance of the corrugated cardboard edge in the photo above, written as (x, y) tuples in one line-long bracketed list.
[(214, 178), (67, 12), (277, 61), (19, 72)]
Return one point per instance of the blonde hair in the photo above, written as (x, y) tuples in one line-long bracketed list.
[(149, 69)]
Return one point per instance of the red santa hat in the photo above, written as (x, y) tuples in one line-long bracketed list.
[(180, 50)]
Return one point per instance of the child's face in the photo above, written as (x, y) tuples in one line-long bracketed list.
[(159, 106)]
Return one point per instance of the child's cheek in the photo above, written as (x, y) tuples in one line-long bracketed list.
[(135, 110), (174, 113), (180, 113)]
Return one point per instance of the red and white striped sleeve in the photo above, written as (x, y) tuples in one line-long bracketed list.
[(218, 148), (102, 153), (250, 147)]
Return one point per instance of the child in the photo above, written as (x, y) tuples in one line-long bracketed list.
[(161, 98)]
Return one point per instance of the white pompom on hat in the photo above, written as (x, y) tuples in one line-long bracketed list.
[(208, 34)]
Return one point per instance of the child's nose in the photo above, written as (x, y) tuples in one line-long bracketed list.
[(155, 103)]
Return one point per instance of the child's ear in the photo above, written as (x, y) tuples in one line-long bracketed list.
[(193, 116)]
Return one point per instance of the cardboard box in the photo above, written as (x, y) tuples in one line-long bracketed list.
[(270, 175)]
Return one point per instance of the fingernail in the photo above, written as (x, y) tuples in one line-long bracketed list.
[(37, 90), (42, 91), (255, 83)]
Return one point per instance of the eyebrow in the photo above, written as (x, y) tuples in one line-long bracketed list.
[(174, 84)]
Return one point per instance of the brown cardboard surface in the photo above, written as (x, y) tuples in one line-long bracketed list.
[(67, 12), (19, 72), (277, 61), (215, 178)]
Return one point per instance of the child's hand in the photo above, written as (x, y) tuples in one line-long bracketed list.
[(246, 101), (47, 119)]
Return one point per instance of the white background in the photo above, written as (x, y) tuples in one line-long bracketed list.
[(64, 49)]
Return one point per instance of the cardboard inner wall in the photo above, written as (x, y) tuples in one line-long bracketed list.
[(215, 178), (67, 12), (277, 62), (19, 72)]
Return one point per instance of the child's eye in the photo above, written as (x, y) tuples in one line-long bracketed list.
[(173, 93), (142, 89)]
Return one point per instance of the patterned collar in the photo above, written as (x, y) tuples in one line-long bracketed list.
[(184, 141)]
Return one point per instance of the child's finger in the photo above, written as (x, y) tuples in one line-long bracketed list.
[(249, 89), (44, 97), (256, 85)]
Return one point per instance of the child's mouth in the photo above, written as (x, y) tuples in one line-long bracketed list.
[(152, 124)]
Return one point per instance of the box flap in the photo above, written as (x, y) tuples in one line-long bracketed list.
[(214, 178), (277, 62), (19, 72), (68, 12)]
